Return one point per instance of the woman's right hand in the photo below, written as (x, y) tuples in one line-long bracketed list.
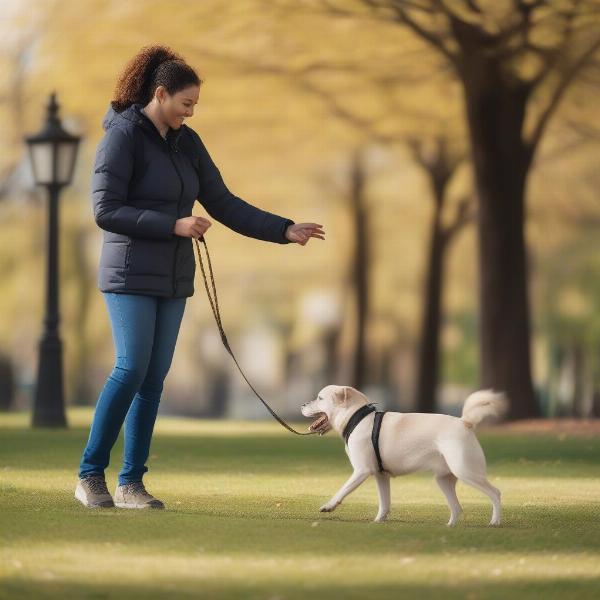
[(194, 227)]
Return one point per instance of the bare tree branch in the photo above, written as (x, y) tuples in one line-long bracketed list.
[(473, 6), (434, 38), (298, 77), (424, 7), (446, 10), (588, 132), (436, 158), (466, 213), (553, 55), (558, 93)]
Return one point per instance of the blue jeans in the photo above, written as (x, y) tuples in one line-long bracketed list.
[(145, 330)]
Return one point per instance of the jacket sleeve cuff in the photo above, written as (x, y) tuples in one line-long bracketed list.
[(286, 224), (156, 225)]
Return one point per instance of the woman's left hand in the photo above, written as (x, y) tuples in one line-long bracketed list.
[(302, 232)]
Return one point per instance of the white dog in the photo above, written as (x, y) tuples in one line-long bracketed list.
[(409, 442)]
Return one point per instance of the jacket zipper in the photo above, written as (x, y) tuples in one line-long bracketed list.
[(178, 203), (171, 150)]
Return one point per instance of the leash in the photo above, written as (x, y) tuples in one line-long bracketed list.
[(215, 308)]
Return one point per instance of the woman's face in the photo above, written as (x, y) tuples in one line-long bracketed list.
[(179, 106)]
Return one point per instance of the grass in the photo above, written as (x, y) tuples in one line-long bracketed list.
[(242, 520)]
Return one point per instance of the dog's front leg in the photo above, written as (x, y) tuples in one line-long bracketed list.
[(353, 482)]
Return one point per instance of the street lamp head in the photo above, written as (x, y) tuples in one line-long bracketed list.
[(52, 151)]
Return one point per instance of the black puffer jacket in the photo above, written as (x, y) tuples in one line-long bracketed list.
[(141, 185)]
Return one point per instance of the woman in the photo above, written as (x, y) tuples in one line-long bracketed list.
[(149, 170)]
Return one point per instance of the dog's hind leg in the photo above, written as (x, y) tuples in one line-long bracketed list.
[(447, 484), (383, 488), (353, 482), (479, 481), (467, 462), (482, 484)]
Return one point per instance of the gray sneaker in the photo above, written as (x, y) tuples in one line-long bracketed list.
[(134, 495), (92, 492)]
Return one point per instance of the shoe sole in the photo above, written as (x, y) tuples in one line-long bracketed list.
[(79, 494), (140, 506)]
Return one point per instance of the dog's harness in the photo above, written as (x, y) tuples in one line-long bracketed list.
[(356, 418)]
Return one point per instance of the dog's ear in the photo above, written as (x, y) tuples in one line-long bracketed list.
[(342, 395)]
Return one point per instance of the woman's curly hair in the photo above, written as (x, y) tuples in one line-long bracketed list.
[(150, 67)]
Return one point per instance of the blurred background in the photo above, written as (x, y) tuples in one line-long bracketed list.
[(449, 149)]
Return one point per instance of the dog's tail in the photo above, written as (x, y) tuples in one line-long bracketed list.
[(482, 404)]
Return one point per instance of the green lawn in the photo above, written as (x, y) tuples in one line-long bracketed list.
[(242, 520)]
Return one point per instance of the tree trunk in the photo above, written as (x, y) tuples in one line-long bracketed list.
[(578, 362), (360, 269), (429, 352), (495, 112)]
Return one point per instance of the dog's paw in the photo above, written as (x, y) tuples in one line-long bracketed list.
[(379, 519), (454, 516), (327, 507)]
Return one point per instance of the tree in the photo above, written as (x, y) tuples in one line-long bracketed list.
[(440, 162), (515, 61)]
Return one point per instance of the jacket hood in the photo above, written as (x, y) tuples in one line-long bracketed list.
[(134, 115)]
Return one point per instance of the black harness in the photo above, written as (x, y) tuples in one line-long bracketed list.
[(356, 418)]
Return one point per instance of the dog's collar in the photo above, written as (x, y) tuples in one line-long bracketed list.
[(356, 418)]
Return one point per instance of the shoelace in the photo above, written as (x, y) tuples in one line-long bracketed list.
[(97, 485), (137, 487)]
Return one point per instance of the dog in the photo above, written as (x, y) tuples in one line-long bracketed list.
[(410, 442)]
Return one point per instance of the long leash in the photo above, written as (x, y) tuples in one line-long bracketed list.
[(215, 308)]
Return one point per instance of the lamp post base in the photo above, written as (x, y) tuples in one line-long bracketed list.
[(48, 408)]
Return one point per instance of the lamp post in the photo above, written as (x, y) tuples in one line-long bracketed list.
[(52, 153)]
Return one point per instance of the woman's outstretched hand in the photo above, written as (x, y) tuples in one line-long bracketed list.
[(302, 232)]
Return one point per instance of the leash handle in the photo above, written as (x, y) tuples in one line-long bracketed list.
[(214, 304)]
